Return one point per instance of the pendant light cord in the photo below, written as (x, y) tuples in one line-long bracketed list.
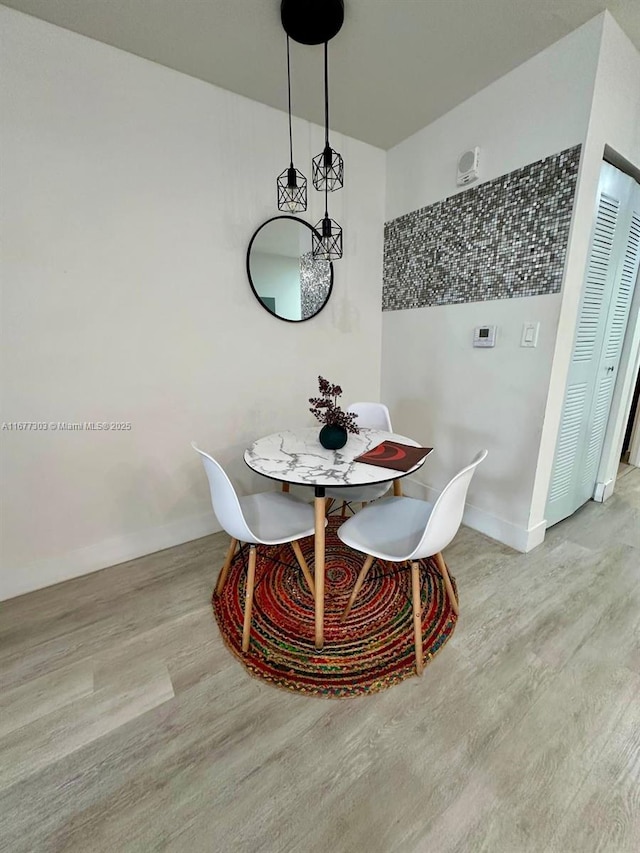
[(326, 93), (326, 123), (289, 90)]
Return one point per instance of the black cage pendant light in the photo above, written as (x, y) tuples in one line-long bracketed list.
[(327, 167), (326, 240), (292, 184)]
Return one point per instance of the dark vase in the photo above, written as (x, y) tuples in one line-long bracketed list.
[(333, 437)]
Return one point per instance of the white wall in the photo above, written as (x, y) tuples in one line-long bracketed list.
[(466, 399), (459, 399), (614, 122), (129, 195)]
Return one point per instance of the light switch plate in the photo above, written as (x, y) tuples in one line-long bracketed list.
[(530, 335)]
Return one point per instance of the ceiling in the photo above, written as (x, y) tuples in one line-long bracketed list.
[(395, 66)]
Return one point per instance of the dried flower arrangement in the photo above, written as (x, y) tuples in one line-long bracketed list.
[(326, 408)]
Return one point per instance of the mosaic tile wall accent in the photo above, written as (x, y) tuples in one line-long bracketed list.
[(502, 239)]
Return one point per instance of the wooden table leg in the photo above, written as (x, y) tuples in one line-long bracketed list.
[(319, 506), (417, 615)]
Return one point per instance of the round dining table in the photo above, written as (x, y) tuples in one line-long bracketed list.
[(297, 457)]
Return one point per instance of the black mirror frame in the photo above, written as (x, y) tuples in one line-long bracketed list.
[(255, 292)]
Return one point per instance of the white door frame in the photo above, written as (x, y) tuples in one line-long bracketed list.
[(621, 404), (634, 446)]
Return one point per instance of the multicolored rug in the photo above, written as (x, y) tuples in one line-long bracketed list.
[(371, 651)]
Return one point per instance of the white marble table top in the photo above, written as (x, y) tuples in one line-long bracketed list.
[(296, 456)]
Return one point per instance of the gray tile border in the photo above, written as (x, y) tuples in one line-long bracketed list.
[(505, 238)]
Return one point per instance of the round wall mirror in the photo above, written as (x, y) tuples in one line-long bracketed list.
[(286, 280)]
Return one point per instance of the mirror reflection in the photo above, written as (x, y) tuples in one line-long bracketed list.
[(282, 272)]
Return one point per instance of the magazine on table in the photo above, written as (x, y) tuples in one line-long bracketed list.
[(393, 454)]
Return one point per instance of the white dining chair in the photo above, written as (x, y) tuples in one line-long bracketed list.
[(371, 416), (406, 530), (266, 518)]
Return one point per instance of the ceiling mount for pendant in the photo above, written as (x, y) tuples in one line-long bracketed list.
[(312, 21)]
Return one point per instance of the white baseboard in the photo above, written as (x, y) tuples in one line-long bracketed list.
[(119, 549), (519, 538), (603, 491), (535, 536)]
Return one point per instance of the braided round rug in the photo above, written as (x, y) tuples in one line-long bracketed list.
[(371, 651)]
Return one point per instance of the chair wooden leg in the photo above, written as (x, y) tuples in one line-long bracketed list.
[(442, 566), (417, 615), (364, 503), (363, 573), (305, 568), (224, 571), (343, 511), (329, 504), (285, 487), (397, 489), (248, 601)]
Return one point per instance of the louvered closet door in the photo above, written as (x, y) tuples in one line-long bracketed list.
[(604, 311)]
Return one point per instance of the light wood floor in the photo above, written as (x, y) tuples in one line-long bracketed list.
[(125, 725)]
